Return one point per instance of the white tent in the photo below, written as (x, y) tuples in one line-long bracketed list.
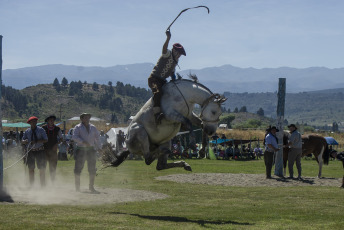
[(223, 126), (112, 135), (78, 119)]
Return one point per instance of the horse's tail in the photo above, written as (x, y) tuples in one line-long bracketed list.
[(113, 158), (326, 154)]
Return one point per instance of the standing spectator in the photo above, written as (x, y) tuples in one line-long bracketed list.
[(35, 136), (120, 140), (103, 138), (295, 151), (339, 156), (54, 135), (63, 148), (87, 139), (271, 146)]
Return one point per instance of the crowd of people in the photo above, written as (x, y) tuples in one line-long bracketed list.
[(227, 151), (45, 145)]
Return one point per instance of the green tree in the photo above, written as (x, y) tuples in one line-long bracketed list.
[(260, 112), (64, 82), (227, 120), (95, 86), (56, 83), (243, 109)]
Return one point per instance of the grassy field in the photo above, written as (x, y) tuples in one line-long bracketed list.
[(190, 206)]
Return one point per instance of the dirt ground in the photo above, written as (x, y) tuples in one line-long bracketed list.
[(66, 194), (248, 180)]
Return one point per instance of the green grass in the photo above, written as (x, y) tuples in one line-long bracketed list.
[(191, 206)]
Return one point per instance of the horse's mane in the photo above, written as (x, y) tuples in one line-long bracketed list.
[(191, 81)]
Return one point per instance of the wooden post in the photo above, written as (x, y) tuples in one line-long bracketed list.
[(1, 156), (280, 119)]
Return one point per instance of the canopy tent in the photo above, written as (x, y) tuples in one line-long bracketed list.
[(112, 134), (331, 141), (235, 141), (19, 125)]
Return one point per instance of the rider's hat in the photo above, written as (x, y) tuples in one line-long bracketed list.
[(179, 48)]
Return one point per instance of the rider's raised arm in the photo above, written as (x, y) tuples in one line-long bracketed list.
[(168, 37)]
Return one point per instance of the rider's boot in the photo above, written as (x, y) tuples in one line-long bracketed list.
[(158, 115)]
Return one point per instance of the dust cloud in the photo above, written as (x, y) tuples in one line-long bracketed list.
[(62, 190)]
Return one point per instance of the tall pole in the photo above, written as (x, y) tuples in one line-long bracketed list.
[(1, 156), (280, 119)]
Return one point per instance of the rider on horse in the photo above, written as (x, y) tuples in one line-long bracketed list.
[(164, 68)]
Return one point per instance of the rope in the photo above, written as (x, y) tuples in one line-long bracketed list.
[(28, 149), (183, 97)]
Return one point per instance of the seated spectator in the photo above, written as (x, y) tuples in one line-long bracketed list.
[(229, 151), (250, 153), (258, 152), (178, 150), (236, 152), (221, 151)]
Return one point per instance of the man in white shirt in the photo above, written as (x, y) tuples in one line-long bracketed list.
[(86, 136)]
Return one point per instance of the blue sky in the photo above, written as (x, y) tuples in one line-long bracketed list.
[(243, 33)]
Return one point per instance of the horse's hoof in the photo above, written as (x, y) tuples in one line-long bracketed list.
[(149, 160), (116, 163), (188, 168), (201, 154)]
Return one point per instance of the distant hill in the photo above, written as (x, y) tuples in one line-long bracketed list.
[(219, 79), (111, 103), (314, 108)]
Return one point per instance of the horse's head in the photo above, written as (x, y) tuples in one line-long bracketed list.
[(210, 114)]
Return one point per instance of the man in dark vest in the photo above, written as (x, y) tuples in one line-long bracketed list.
[(54, 138), (164, 68)]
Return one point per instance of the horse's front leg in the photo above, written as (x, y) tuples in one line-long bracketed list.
[(179, 118), (162, 160)]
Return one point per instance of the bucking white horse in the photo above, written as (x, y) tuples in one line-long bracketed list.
[(151, 140)]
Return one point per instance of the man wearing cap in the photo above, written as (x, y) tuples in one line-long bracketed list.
[(35, 137), (87, 139), (54, 135), (271, 146), (295, 151), (164, 68)]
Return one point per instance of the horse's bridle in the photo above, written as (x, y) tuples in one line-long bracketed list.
[(205, 103)]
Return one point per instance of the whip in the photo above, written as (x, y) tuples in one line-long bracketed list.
[(168, 28)]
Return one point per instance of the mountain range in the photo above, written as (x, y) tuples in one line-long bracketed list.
[(226, 78)]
